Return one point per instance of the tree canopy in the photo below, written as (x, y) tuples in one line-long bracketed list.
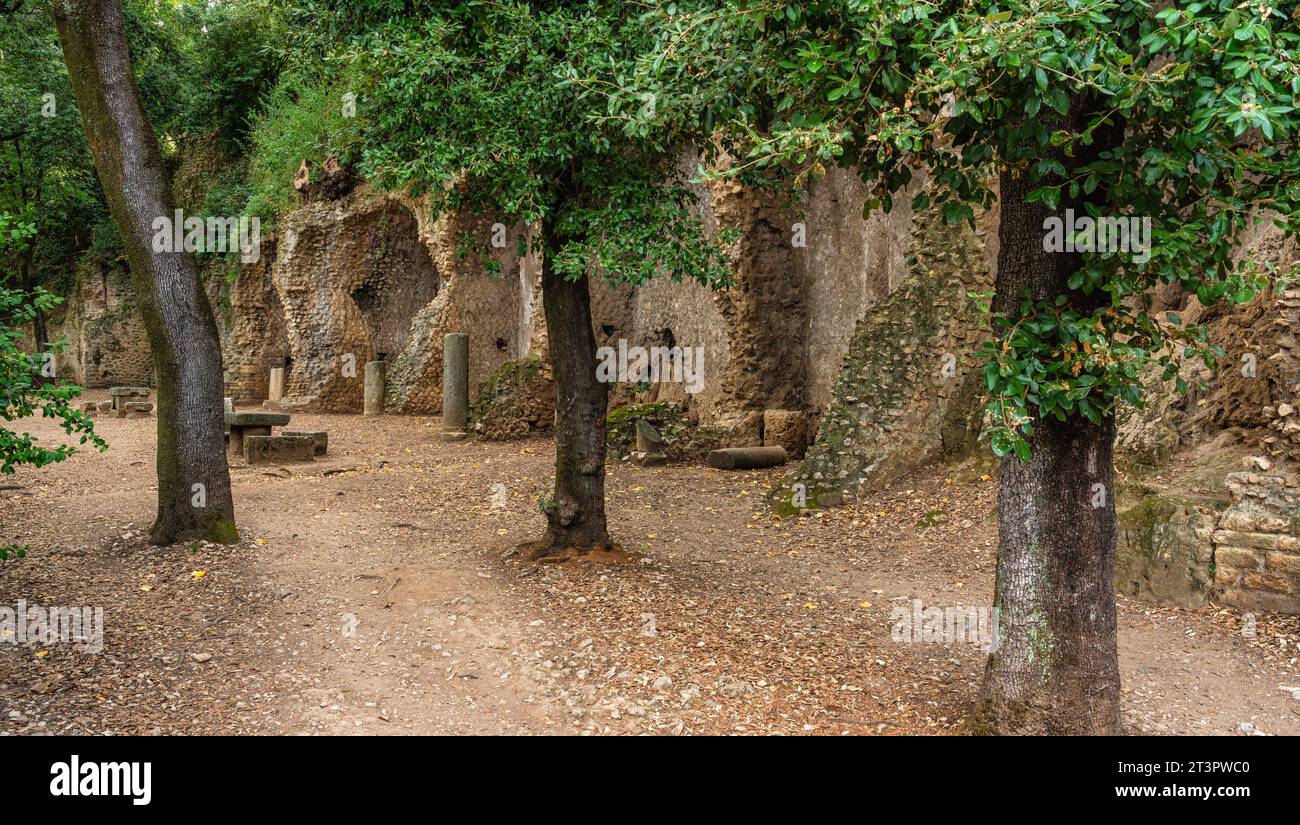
[(1201, 96), (506, 108)]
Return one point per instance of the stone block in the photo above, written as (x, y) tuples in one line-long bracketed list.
[(1262, 541), (256, 419), (1225, 575), (320, 439), (787, 429), (1270, 582), (241, 425), (645, 459), (138, 409), (1240, 558), (120, 395), (648, 439), (278, 449), (1279, 562), (235, 441), (1164, 549)]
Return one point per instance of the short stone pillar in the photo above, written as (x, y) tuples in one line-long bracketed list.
[(649, 445), (455, 384), (275, 392), (374, 388)]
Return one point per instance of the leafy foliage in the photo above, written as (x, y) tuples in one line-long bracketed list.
[(302, 118), (503, 108), (202, 68), (22, 392), (235, 49), (1203, 95)]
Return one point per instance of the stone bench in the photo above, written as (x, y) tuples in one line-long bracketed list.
[(320, 439), (245, 424), (278, 449)]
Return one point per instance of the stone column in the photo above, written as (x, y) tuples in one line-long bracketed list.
[(374, 388), (455, 384), (276, 391)]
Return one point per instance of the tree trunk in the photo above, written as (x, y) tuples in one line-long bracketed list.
[(40, 331), (575, 516), (194, 499), (1056, 668)]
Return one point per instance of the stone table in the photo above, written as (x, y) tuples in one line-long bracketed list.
[(244, 424), (121, 395)]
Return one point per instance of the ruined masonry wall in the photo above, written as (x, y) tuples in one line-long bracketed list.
[(106, 340), (1257, 544), (908, 390)]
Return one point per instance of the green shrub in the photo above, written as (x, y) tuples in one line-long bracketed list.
[(301, 119)]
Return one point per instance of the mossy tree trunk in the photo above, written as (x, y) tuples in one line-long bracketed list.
[(194, 498), (1056, 669), (575, 516)]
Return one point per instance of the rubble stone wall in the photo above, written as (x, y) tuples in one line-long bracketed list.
[(1257, 543), (106, 340), (908, 390)]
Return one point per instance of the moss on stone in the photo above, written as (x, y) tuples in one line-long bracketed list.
[(518, 398), (1164, 551), (682, 440), (508, 375), (223, 531)]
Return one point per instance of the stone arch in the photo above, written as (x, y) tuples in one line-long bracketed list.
[(353, 277)]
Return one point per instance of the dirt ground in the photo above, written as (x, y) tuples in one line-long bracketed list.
[(375, 593)]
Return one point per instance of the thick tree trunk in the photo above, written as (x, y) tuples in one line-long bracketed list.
[(194, 499), (1056, 668), (575, 515)]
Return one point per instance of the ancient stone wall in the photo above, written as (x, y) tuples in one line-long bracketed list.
[(106, 340), (497, 311), (803, 275), (1281, 411), (1257, 543), (350, 276), (1165, 552), (846, 265), (252, 322), (907, 391), (1184, 539)]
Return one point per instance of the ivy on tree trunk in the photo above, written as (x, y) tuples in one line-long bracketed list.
[(1056, 667)]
